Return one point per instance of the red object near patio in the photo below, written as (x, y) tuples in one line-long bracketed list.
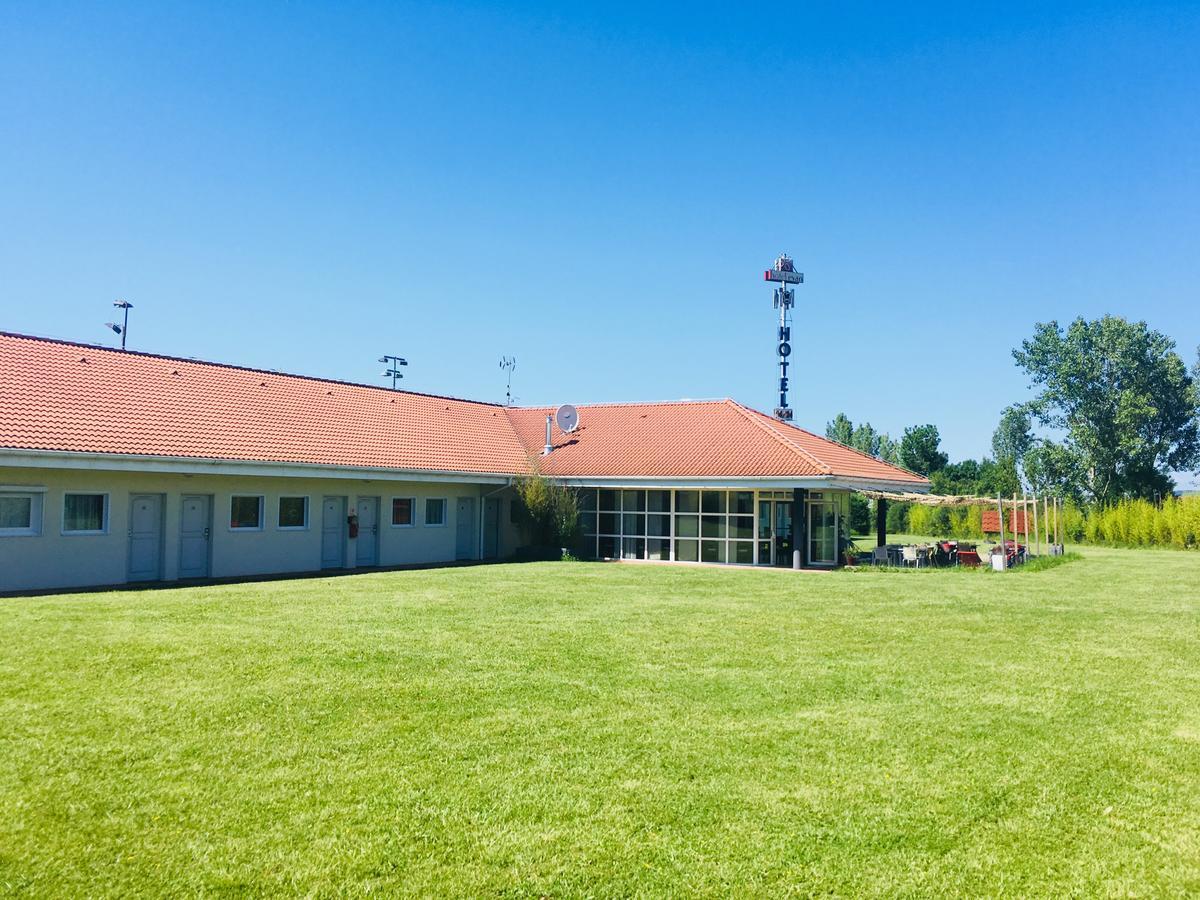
[(1014, 521)]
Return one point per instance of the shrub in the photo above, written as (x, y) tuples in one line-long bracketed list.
[(548, 511)]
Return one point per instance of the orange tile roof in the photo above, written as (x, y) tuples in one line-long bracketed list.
[(693, 439), (62, 396)]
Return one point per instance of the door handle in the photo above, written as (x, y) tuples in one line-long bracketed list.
[(206, 534)]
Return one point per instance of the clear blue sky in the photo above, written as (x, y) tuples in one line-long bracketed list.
[(305, 187)]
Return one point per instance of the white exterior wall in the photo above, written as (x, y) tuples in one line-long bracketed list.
[(51, 559)]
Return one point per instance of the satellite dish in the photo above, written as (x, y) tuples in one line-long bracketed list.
[(566, 417)]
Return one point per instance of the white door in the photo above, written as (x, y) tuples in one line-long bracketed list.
[(465, 525), (367, 553), (333, 533), (195, 527), (145, 537)]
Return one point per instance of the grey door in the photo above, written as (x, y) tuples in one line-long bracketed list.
[(465, 525), (333, 533), (145, 537), (195, 529), (367, 552), (491, 527)]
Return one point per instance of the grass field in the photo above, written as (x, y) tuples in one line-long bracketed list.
[(605, 729)]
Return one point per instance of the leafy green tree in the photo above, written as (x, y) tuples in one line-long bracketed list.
[(920, 450), (1012, 437), (549, 511), (866, 439), (889, 450), (841, 429), (1124, 401)]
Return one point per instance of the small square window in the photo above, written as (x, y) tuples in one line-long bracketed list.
[(245, 512), (435, 511), (20, 513), (85, 513), (293, 512), (402, 511)]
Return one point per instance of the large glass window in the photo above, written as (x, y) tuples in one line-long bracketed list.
[(435, 511), (293, 512), (658, 501), (658, 548), (20, 513), (687, 501), (402, 511), (85, 513), (687, 551), (713, 502), (658, 526), (245, 512), (741, 503)]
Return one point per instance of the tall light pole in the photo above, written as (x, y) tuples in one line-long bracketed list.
[(393, 370), (123, 328)]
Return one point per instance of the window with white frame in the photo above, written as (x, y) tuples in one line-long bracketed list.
[(435, 511), (402, 512), (20, 512), (245, 512), (293, 513), (85, 513)]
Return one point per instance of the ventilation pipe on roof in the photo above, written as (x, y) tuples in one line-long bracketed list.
[(549, 441)]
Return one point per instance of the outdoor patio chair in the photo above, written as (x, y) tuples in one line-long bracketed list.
[(879, 556), (911, 556)]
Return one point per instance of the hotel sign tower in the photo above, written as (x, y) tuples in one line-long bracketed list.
[(785, 274)]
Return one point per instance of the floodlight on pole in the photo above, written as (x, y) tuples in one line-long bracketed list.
[(393, 371), (123, 328)]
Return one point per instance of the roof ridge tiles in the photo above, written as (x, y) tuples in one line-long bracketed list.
[(683, 402), (854, 450), (223, 365), (753, 416)]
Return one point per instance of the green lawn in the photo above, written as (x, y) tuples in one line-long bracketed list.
[(606, 729)]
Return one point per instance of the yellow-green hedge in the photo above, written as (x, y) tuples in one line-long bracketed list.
[(1130, 523)]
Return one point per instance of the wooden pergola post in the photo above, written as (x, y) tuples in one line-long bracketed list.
[(880, 522)]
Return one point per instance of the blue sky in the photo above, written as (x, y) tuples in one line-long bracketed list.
[(305, 187)]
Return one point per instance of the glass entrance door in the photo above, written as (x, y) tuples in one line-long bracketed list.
[(774, 533), (783, 533), (766, 543), (822, 533)]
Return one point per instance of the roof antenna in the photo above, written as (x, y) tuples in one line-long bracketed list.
[(393, 368), (123, 328), (508, 363)]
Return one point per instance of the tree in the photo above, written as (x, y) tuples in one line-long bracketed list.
[(866, 439), (549, 511), (1124, 400), (1012, 438), (889, 450), (841, 429), (919, 450)]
